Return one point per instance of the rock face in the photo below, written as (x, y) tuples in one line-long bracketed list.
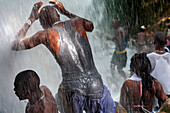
[(165, 108)]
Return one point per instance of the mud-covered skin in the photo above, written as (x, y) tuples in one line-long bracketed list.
[(76, 61)]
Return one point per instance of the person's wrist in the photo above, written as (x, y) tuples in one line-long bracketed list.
[(28, 22), (31, 19)]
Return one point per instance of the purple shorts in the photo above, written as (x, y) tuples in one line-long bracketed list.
[(69, 102)]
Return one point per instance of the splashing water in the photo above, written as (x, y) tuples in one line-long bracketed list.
[(13, 14)]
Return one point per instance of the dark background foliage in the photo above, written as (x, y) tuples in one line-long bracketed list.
[(136, 12)]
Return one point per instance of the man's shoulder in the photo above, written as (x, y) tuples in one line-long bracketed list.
[(46, 90), (153, 54), (43, 87), (150, 54), (42, 32)]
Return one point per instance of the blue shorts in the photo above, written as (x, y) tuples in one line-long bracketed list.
[(70, 102)]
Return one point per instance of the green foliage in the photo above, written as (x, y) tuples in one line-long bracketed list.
[(135, 12)]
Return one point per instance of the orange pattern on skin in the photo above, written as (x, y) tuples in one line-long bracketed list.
[(54, 40)]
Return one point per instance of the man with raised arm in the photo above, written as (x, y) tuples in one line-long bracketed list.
[(82, 86), (119, 57)]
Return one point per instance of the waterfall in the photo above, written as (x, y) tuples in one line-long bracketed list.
[(13, 14)]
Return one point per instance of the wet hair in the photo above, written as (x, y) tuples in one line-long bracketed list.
[(140, 65), (160, 39), (49, 16), (28, 79)]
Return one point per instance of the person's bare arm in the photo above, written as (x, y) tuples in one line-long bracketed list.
[(159, 92), (124, 101), (61, 9), (88, 25), (22, 32), (28, 43), (119, 36)]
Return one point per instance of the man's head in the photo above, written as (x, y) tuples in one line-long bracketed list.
[(115, 23), (160, 40), (25, 83), (48, 17)]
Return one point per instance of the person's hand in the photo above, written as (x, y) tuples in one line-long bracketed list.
[(34, 13), (59, 6)]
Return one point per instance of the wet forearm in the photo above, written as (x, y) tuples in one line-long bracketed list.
[(22, 32), (69, 15)]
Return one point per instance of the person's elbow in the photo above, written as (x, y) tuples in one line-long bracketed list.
[(89, 26), (15, 46)]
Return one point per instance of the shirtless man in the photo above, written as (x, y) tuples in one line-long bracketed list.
[(138, 91), (41, 100), (141, 40), (82, 86)]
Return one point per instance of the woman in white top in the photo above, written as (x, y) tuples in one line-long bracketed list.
[(138, 91)]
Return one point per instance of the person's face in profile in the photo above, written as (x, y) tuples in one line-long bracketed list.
[(20, 91)]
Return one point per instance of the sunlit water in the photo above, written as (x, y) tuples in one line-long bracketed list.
[(13, 14)]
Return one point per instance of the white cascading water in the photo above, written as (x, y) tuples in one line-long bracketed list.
[(13, 14)]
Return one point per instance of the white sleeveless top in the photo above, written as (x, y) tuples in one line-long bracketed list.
[(161, 69)]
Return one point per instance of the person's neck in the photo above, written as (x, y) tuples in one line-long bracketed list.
[(59, 24), (159, 50), (35, 96)]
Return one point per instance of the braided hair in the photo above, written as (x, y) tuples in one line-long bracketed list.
[(140, 65)]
